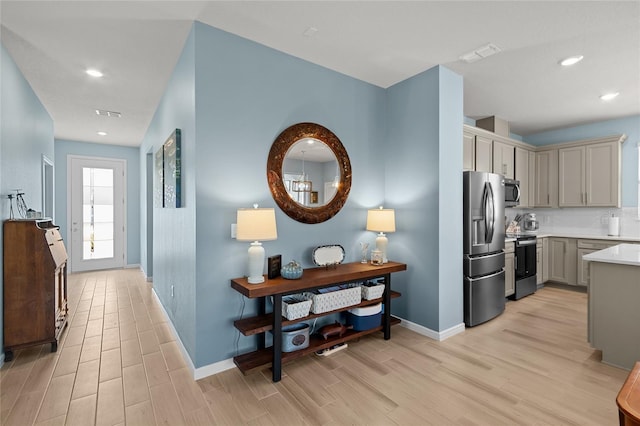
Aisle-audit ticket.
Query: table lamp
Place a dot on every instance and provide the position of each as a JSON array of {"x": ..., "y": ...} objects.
[
  {"x": 381, "y": 220},
  {"x": 256, "y": 225}
]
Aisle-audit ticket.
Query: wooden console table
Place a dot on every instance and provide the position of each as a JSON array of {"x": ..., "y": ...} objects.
[
  {"x": 628, "y": 399},
  {"x": 312, "y": 279}
]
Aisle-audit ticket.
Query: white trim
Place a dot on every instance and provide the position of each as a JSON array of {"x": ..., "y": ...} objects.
[
  {"x": 201, "y": 372},
  {"x": 46, "y": 161},
  {"x": 432, "y": 334},
  {"x": 132, "y": 266},
  {"x": 215, "y": 368},
  {"x": 123, "y": 163}
]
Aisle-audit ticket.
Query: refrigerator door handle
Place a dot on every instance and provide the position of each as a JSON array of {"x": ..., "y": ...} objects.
[
  {"x": 489, "y": 212},
  {"x": 495, "y": 274}
]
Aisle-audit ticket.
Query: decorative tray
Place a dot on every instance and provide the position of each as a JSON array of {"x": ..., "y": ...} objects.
[{"x": 328, "y": 255}]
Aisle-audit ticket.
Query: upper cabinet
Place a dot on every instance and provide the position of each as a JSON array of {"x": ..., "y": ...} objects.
[
  {"x": 477, "y": 152},
  {"x": 589, "y": 174},
  {"x": 546, "y": 179},
  {"x": 573, "y": 174},
  {"x": 522, "y": 174},
  {"x": 503, "y": 159},
  {"x": 468, "y": 151},
  {"x": 484, "y": 156}
]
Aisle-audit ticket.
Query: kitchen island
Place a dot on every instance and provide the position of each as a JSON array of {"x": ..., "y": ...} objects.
[{"x": 614, "y": 299}]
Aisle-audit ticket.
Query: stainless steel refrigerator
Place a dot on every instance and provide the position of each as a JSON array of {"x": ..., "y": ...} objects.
[{"x": 484, "y": 232}]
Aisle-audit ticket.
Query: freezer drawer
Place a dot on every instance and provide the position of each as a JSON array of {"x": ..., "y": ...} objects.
[
  {"x": 475, "y": 266},
  {"x": 483, "y": 298}
]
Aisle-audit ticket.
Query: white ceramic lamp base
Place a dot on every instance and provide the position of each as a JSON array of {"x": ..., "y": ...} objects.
[
  {"x": 256, "y": 263},
  {"x": 381, "y": 244}
]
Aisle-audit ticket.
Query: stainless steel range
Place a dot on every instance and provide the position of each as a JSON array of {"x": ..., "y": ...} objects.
[{"x": 525, "y": 265}]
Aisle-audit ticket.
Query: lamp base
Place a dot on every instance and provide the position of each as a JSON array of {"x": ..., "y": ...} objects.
[
  {"x": 256, "y": 263},
  {"x": 381, "y": 244}
]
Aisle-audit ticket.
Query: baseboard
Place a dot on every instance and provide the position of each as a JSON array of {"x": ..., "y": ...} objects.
[
  {"x": 183, "y": 350},
  {"x": 432, "y": 334},
  {"x": 132, "y": 266},
  {"x": 1, "y": 359},
  {"x": 147, "y": 278},
  {"x": 200, "y": 372},
  {"x": 215, "y": 368}
]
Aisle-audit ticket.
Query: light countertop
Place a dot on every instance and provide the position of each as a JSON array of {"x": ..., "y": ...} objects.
[
  {"x": 583, "y": 235},
  {"x": 624, "y": 254}
]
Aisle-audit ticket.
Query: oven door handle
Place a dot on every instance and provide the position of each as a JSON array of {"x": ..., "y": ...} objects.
[{"x": 525, "y": 243}]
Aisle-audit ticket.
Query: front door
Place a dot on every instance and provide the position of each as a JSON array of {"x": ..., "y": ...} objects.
[{"x": 97, "y": 206}]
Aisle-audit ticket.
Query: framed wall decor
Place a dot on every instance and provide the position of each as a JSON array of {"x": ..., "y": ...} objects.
[
  {"x": 158, "y": 181},
  {"x": 314, "y": 197},
  {"x": 172, "y": 170}
]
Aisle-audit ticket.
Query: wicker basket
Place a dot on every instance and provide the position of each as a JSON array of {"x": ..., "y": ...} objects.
[
  {"x": 295, "y": 306},
  {"x": 372, "y": 292},
  {"x": 332, "y": 300}
]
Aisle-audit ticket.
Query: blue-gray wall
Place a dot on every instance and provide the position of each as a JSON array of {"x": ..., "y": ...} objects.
[
  {"x": 232, "y": 97},
  {"x": 26, "y": 133},
  {"x": 63, "y": 149},
  {"x": 423, "y": 183},
  {"x": 629, "y": 126},
  {"x": 174, "y": 230}
]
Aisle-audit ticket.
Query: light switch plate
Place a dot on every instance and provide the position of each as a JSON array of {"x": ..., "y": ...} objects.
[{"x": 233, "y": 230}]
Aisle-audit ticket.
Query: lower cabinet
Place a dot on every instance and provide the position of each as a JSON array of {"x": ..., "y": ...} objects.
[
  {"x": 539, "y": 263},
  {"x": 509, "y": 269},
  {"x": 563, "y": 253},
  {"x": 589, "y": 246}
]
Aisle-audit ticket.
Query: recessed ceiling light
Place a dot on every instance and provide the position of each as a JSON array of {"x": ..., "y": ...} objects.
[
  {"x": 572, "y": 60},
  {"x": 102, "y": 133},
  {"x": 94, "y": 72},
  {"x": 609, "y": 96}
]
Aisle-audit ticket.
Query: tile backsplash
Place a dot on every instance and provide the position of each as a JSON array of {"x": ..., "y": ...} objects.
[{"x": 588, "y": 221}]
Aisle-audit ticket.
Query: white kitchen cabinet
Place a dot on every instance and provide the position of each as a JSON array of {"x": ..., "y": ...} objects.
[
  {"x": 571, "y": 176},
  {"x": 545, "y": 260},
  {"x": 522, "y": 174},
  {"x": 509, "y": 269},
  {"x": 539, "y": 261},
  {"x": 590, "y": 246},
  {"x": 484, "y": 154},
  {"x": 546, "y": 183},
  {"x": 589, "y": 175},
  {"x": 503, "y": 159},
  {"x": 563, "y": 253},
  {"x": 468, "y": 151},
  {"x": 603, "y": 175}
]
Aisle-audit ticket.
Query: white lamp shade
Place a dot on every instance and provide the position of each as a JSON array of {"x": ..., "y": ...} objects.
[
  {"x": 381, "y": 220},
  {"x": 256, "y": 225}
]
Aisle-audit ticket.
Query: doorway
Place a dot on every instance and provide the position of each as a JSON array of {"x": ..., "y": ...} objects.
[{"x": 97, "y": 203}]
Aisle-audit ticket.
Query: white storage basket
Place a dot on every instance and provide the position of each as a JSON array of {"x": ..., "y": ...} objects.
[
  {"x": 295, "y": 306},
  {"x": 332, "y": 300},
  {"x": 372, "y": 292}
]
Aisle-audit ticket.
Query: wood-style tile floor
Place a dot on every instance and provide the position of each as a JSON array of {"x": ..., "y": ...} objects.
[{"x": 118, "y": 363}]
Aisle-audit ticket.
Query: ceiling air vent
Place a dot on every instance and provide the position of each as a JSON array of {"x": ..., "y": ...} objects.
[
  {"x": 480, "y": 53},
  {"x": 106, "y": 113}
]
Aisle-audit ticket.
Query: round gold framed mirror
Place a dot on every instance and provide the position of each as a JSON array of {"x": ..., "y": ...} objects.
[{"x": 309, "y": 173}]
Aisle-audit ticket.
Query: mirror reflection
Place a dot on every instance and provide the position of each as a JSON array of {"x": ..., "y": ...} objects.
[
  {"x": 310, "y": 187},
  {"x": 310, "y": 173}
]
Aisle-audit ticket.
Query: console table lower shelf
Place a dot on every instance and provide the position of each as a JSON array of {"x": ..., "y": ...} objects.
[{"x": 262, "y": 358}]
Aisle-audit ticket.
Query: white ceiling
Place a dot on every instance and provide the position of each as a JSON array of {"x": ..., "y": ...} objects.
[{"x": 136, "y": 44}]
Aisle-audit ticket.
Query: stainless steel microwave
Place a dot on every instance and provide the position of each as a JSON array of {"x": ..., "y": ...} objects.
[{"x": 511, "y": 192}]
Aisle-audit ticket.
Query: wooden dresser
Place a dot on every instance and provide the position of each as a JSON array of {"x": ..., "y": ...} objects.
[{"x": 35, "y": 284}]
